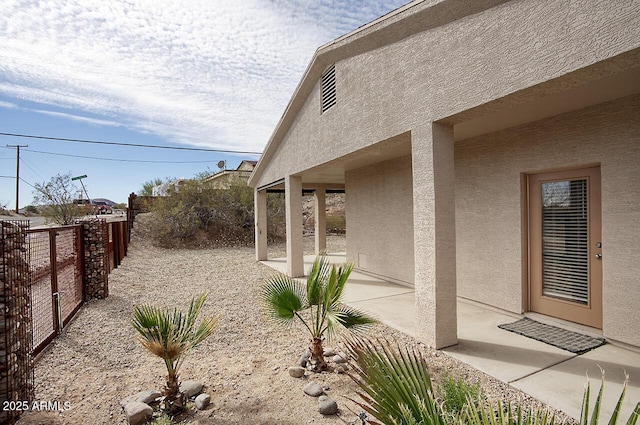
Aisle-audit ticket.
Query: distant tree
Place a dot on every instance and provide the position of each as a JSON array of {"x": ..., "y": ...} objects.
[
  {"x": 57, "y": 196},
  {"x": 120, "y": 206},
  {"x": 147, "y": 187}
]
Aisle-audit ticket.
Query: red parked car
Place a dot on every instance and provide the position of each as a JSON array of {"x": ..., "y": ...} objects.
[{"x": 102, "y": 207}]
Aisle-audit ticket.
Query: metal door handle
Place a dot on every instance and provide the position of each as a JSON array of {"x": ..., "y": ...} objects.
[{"x": 599, "y": 256}]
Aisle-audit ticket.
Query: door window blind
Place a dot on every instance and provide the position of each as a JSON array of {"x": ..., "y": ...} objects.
[{"x": 565, "y": 271}]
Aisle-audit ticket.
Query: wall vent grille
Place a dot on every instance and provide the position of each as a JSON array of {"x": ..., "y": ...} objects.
[{"x": 328, "y": 86}]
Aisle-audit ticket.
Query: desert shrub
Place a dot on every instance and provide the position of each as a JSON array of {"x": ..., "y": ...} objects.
[
  {"x": 200, "y": 215},
  {"x": 56, "y": 197},
  {"x": 31, "y": 209},
  {"x": 336, "y": 224},
  {"x": 455, "y": 394},
  {"x": 143, "y": 204},
  {"x": 276, "y": 220}
]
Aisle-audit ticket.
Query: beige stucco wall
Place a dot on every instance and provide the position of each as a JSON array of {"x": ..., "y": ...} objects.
[
  {"x": 449, "y": 69},
  {"x": 227, "y": 179},
  {"x": 379, "y": 207},
  {"x": 489, "y": 212}
]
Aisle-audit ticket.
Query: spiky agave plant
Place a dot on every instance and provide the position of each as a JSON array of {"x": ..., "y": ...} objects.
[
  {"x": 395, "y": 384},
  {"x": 318, "y": 306},
  {"x": 484, "y": 414},
  {"x": 595, "y": 416},
  {"x": 171, "y": 335},
  {"x": 396, "y": 390}
]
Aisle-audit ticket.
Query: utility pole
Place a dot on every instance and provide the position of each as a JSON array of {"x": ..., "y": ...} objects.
[{"x": 17, "y": 172}]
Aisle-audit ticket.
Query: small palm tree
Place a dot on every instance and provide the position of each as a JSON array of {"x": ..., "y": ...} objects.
[
  {"x": 286, "y": 300},
  {"x": 171, "y": 335}
]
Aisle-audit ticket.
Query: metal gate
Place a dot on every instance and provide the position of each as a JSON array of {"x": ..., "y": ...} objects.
[{"x": 55, "y": 259}]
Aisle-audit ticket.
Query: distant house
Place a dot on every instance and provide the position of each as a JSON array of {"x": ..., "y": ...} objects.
[
  {"x": 490, "y": 150},
  {"x": 227, "y": 178},
  {"x": 165, "y": 188}
]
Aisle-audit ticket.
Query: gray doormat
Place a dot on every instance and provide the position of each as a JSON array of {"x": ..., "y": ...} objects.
[{"x": 553, "y": 335}]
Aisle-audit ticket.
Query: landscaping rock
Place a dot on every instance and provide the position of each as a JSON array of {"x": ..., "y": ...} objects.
[
  {"x": 126, "y": 401},
  {"x": 340, "y": 358},
  {"x": 296, "y": 372},
  {"x": 313, "y": 389},
  {"x": 147, "y": 397},
  {"x": 303, "y": 361},
  {"x": 137, "y": 412},
  {"x": 341, "y": 368},
  {"x": 202, "y": 401},
  {"x": 329, "y": 352},
  {"x": 327, "y": 406},
  {"x": 190, "y": 388}
]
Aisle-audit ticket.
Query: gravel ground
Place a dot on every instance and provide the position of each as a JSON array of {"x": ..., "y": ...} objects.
[{"x": 97, "y": 361}]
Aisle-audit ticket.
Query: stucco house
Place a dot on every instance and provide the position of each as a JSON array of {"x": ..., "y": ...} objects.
[
  {"x": 226, "y": 178},
  {"x": 490, "y": 150}
]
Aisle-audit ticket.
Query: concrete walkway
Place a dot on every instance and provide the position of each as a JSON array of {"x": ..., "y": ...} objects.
[{"x": 554, "y": 376}]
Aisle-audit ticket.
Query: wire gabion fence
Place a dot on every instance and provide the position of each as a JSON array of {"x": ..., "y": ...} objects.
[
  {"x": 44, "y": 276},
  {"x": 16, "y": 361}
]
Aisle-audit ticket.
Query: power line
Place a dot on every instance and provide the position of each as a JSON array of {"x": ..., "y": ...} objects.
[
  {"x": 24, "y": 161},
  {"x": 24, "y": 181},
  {"x": 119, "y": 160},
  {"x": 63, "y": 139}
]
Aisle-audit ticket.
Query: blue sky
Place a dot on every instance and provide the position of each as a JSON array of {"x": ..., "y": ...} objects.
[{"x": 212, "y": 74}]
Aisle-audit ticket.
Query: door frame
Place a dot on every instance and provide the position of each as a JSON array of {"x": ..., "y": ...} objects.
[{"x": 590, "y": 314}]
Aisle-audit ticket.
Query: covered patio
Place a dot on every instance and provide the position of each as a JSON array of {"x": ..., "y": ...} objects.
[
  {"x": 448, "y": 149},
  {"x": 552, "y": 375}
]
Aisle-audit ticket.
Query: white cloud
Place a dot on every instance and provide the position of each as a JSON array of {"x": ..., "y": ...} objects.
[
  {"x": 94, "y": 121},
  {"x": 8, "y": 105},
  {"x": 211, "y": 73}
]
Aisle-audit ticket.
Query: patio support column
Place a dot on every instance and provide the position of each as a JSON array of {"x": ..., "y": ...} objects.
[
  {"x": 434, "y": 234},
  {"x": 260, "y": 220},
  {"x": 320, "y": 223},
  {"x": 293, "y": 204}
]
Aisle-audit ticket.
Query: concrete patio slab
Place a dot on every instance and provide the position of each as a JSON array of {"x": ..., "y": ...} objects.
[
  {"x": 395, "y": 310},
  {"x": 562, "y": 384},
  {"x": 554, "y": 376},
  {"x": 502, "y": 354}
]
